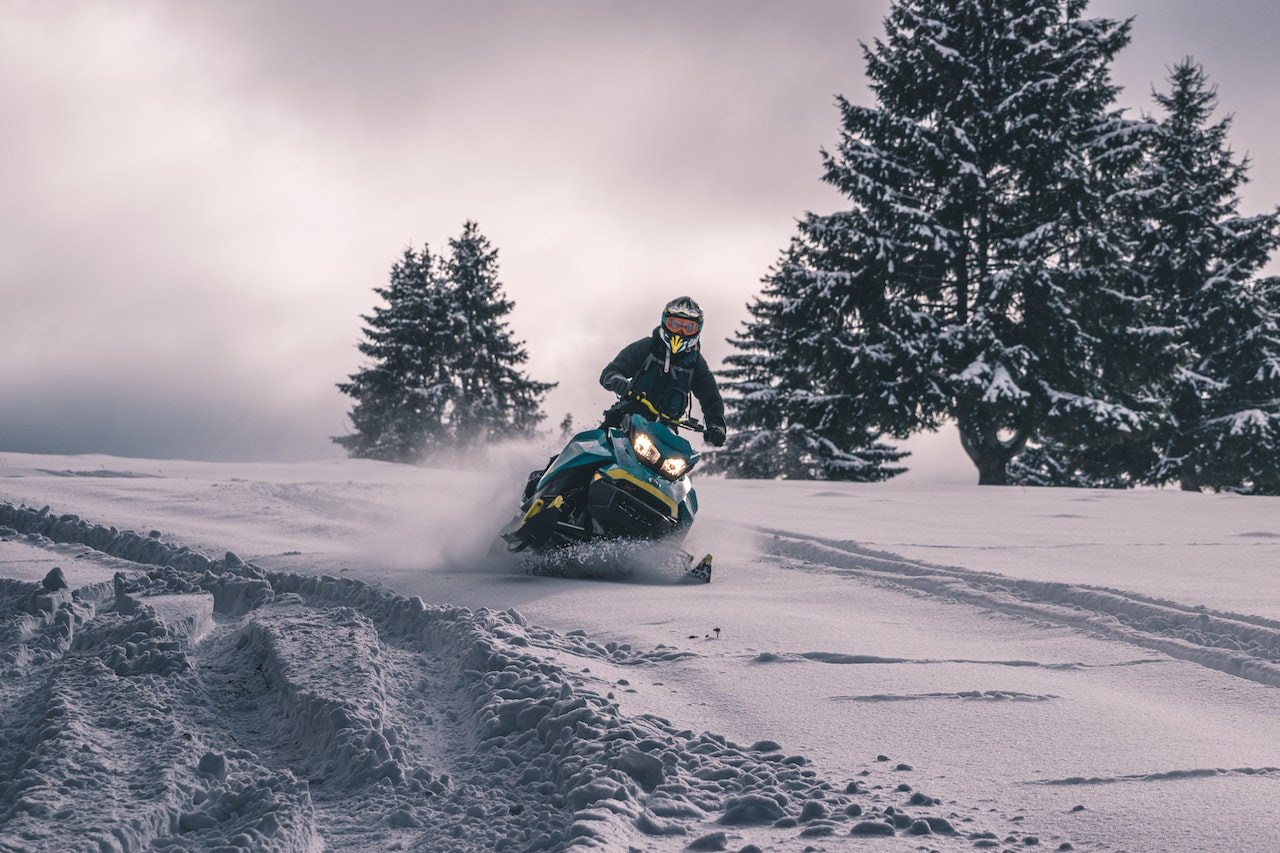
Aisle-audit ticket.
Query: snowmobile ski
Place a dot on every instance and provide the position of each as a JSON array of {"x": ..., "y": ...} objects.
[{"x": 701, "y": 573}]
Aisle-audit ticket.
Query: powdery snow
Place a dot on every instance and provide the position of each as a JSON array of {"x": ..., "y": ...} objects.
[{"x": 327, "y": 656}]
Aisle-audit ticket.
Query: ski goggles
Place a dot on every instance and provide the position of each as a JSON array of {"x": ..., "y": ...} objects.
[{"x": 681, "y": 326}]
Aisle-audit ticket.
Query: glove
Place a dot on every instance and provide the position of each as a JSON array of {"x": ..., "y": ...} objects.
[
  {"x": 714, "y": 435},
  {"x": 618, "y": 385}
]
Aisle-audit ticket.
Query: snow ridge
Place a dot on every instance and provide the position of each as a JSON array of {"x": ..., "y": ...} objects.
[
  {"x": 209, "y": 704},
  {"x": 1245, "y": 646}
]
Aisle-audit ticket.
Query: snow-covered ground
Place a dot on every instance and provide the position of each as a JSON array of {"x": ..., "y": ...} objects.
[{"x": 324, "y": 656}]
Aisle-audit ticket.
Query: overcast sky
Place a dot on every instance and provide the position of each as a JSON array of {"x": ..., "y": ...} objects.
[{"x": 197, "y": 199}]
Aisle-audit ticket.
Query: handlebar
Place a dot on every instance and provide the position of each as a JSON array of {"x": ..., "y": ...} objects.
[{"x": 684, "y": 423}]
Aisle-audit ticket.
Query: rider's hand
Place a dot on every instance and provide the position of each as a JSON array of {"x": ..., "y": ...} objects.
[
  {"x": 619, "y": 385},
  {"x": 714, "y": 436}
]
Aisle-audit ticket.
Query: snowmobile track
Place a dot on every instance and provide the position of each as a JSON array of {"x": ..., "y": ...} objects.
[{"x": 1244, "y": 646}]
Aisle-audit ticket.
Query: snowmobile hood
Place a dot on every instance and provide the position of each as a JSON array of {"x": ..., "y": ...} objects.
[{"x": 669, "y": 443}]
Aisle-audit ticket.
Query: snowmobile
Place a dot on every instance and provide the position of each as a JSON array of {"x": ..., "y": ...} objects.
[{"x": 618, "y": 486}]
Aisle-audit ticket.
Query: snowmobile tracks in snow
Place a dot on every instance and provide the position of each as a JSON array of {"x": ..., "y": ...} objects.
[
  {"x": 1245, "y": 646},
  {"x": 198, "y": 703}
]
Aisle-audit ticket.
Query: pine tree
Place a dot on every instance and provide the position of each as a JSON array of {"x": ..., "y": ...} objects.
[
  {"x": 401, "y": 397},
  {"x": 1106, "y": 466},
  {"x": 788, "y": 417},
  {"x": 976, "y": 275},
  {"x": 1240, "y": 440},
  {"x": 493, "y": 398},
  {"x": 1200, "y": 257},
  {"x": 442, "y": 372}
]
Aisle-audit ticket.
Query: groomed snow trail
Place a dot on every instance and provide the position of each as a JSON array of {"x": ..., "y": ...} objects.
[
  {"x": 198, "y": 703},
  {"x": 1240, "y": 645}
]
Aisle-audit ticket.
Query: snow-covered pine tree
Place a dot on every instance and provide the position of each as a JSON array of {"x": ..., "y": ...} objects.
[
  {"x": 1200, "y": 258},
  {"x": 975, "y": 270},
  {"x": 1106, "y": 466},
  {"x": 402, "y": 397},
  {"x": 755, "y": 383},
  {"x": 494, "y": 398},
  {"x": 1240, "y": 448},
  {"x": 442, "y": 371},
  {"x": 1254, "y": 440},
  {"x": 789, "y": 418}
]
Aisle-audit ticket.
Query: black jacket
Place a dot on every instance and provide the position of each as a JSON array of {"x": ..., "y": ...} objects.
[{"x": 643, "y": 366}]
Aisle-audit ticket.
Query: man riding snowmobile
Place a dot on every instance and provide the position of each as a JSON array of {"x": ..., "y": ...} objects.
[
  {"x": 664, "y": 369},
  {"x": 628, "y": 479}
]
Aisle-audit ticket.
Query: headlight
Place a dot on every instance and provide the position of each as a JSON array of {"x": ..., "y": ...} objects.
[
  {"x": 673, "y": 467},
  {"x": 644, "y": 447}
]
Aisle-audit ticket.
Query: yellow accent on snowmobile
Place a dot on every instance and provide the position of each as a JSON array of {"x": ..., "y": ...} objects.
[
  {"x": 619, "y": 474},
  {"x": 538, "y": 506}
]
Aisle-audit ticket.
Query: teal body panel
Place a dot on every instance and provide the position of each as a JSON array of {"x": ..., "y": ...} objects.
[
  {"x": 611, "y": 449},
  {"x": 588, "y": 448}
]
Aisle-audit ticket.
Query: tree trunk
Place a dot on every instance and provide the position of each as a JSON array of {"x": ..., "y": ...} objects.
[{"x": 990, "y": 454}]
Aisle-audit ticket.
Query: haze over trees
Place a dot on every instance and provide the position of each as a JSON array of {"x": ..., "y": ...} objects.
[
  {"x": 1020, "y": 258},
  {"x": 443, "y": 371}
]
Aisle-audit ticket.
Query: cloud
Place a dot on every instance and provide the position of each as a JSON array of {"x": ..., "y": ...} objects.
[{"x": 200, "y": 198}]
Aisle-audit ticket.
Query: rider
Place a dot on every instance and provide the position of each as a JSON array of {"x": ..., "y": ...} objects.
[{"x": 664, "y": 368}]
